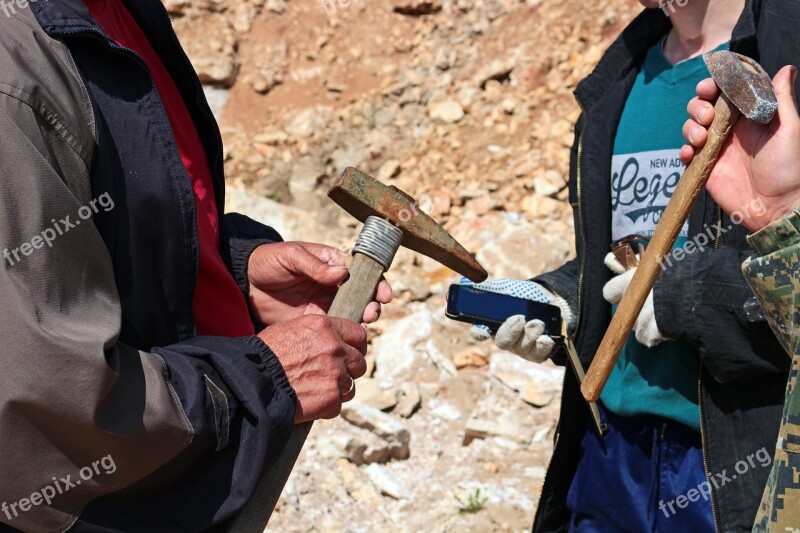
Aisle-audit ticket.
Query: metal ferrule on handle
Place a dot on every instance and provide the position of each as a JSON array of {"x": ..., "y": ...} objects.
[{"x": 379, "y": 240}]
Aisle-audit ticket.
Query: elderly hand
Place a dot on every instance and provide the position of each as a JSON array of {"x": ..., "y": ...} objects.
[
  {"x": 292, "y": 279},
  {"x": 321, "y": 356},
  {"x": 759, "y": 165}
]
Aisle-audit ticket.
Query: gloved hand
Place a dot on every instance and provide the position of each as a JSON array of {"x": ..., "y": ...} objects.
[
  {"x": 646, "y": 329},
  {"x": 524, "y": 338}
]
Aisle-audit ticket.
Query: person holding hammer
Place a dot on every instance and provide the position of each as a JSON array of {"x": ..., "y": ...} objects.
[
  {"x": 698, "y": 387},
  {"x": 762, "y": 162},
  {"x": 157, "y": 353}
]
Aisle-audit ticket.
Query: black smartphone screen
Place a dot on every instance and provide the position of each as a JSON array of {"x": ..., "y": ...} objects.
[{"x": 467, "y": 304}]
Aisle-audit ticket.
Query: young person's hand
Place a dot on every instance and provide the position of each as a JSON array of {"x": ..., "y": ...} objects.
[
  {"x": 292, "y": 279},
  {"x": 321, "y": 356},
  {"x": 645, "y": 328},
  {"x": 518, "y": 335},
  {"x": 760, "y": 163}
]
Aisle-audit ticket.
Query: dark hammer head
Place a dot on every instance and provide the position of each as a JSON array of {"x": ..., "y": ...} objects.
[
  {"x": 745, "y": 84},
  {"x": 363, "y": 196}
]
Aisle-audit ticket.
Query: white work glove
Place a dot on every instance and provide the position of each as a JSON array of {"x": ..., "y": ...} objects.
[
  {"x": 646, "y": 329},
  {"x": 516, "y": 335}
]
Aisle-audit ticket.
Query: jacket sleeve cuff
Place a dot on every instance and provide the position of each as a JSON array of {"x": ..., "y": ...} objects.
[
  {"x": 671, "y": 305},
  {"x": 782, "y": 233},
  {"x": 244, "y": 235},
  {"x": 272, "y": 366},
  {"x": 241, "y": 250},
  {"x": 561, "y": 288}
]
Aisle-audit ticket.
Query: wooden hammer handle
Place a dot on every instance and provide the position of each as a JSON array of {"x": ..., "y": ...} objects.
[
  {"x": 351, "y": 300},
  {"x": 672, "y": 220},
  {"x": 359, "y": 289}
]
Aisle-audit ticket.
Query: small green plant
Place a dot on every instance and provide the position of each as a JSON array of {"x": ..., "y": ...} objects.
[{"x": 473, "y": 504}]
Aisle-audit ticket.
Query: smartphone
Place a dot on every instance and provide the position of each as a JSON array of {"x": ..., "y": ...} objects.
[{"x": 467, "y": 304}]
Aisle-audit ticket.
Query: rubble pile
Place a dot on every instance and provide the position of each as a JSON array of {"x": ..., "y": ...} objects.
[{"x": 466, "y": 105}]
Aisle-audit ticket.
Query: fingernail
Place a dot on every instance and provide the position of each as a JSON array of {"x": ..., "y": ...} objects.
[
  {"x": 694, "y": 134},
  {"x": 794, "y": 74},
  {"x": 701, "y": 113},
  {"x": 335, "y": 269}
]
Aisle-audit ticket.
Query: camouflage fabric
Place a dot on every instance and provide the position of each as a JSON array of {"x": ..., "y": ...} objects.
[{"x": 774, "y": 275}]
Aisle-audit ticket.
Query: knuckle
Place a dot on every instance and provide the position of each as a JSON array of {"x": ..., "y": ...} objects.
[
  {"x": 318, "y": 322},
  {"x": 330, "y": 347},
  {"x": 293, "y": 248}
]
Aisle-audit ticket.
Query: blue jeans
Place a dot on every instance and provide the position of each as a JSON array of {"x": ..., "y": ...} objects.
[{"x": 635, "y": 478}]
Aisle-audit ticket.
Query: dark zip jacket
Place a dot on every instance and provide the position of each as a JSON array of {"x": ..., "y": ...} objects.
[
  {"x": 100, "y": 355},
  {"x": 742, "y": 368}
]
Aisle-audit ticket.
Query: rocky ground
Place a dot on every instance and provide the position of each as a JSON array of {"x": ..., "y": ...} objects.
[{"x": 466, "y": 105}]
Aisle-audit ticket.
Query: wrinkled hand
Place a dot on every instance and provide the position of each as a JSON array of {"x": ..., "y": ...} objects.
[
  {"x": 517, "y": 335},
  {"x": 292, "y": 279},
  {"x": 321, "y": 356},
  {"x": 759, "y": 165},
  {"x": 646, "y": 329}
]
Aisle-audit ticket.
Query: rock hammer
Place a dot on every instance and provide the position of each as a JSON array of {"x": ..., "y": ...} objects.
[{"x": 391, "y": 218}]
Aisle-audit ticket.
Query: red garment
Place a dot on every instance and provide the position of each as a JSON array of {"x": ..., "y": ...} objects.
[{"x": 219, "y": 306}]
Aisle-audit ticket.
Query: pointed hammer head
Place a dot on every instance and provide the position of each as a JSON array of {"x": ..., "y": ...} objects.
[
  {"x": 363, "y": 196},
  {"x": 745, "y": 83}
]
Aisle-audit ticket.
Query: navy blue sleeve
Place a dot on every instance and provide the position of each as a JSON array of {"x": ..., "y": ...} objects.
[
  {"x": 241, "y": 408},
  {"x": 241, "y": 235},
  {"x": 701, "y": 299},
  {"x": 563, "y": 281}
]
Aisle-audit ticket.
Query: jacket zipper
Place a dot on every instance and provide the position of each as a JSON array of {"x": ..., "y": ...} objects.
[
  {"x": 219, "y": 187},
  {"x": 703, "y": 443},
  {"x": 703, "y": 447},
  {"x": 581, "y": 222},
  {"x": 136, "y": 57},
  {"x": 718, "y": 238},
  {"x": 112, "y": 44},
  {"x": 219, "y": 184},
  {"x": 582, "y": 262}
]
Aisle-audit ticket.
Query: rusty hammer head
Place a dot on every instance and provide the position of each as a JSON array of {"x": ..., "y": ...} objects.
[
  {"x": 363, "y": 196},
  {"x": 745, "y": 84}
]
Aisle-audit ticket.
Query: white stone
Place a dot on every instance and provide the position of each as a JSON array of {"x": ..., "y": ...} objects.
[
  {"x": 396, "y": 349},
  {"x": 449, "y": 111},
  {"x": 385, "y": 426},
  {"x": 292, "y": 223},
  {"x": 370, "y": 392},
  {"x": 387, "y": 482},
  {"x": 308, "y": 121}
]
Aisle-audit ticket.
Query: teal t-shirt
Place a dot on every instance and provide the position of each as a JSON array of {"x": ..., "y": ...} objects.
[{"x": 645, "y": 169}]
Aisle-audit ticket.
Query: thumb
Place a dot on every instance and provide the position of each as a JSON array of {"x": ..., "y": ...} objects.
[
  {"x": 787, "y": 101},
  {"x": 304, "y": 263}
]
